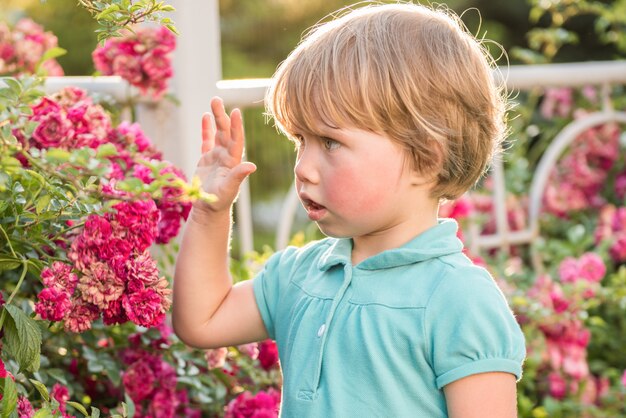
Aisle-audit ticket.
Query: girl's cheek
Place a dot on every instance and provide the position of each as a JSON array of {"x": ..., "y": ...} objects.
[{"x": 352, "y": 192}]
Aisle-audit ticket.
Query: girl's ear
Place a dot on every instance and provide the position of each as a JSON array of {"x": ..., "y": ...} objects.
[{"x": 426, "y": 170}]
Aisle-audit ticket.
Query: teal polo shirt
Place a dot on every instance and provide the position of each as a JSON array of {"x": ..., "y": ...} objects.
[{"x": 382, "y": 338}]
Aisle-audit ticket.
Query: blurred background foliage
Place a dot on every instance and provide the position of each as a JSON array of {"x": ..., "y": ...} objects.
[{"x": 257, "y": 35}]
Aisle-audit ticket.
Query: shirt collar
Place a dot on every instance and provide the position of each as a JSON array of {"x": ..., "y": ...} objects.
[{"x": 437, "y": 241}]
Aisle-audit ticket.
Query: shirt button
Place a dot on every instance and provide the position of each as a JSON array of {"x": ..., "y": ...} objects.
[{"x": 320, "y": 331}]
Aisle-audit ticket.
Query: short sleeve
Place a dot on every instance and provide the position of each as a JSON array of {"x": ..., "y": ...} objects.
[
  {"x": 267, "y": 289},
  {"x": 470, "y": 328}
]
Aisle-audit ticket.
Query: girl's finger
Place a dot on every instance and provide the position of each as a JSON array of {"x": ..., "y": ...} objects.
[
  {"x": 222, "y": 122},
  {"x": 208, "y": 132},
  {"x": 236, "y": 134}
]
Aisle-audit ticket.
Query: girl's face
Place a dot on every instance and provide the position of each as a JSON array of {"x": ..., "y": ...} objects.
[{"x": 356, "y": 183}]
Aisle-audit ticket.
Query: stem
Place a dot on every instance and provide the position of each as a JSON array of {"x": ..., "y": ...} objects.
[
  {"x": 19, "y": 282},
  {"x": 8, "y": 241},
  {"x": 17, "y": 287}
]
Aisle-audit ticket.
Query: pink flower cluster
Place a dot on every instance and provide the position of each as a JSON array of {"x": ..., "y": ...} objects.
[
  {"x": 70, "y": 119},
  {"x": 264, "y": 404},
  {"x": 216, "y": 357},
  {"x": 61, "y": 394},
  {"x": 24, "y": 408},
  {"x": 578, "y": 178},
  {"x": 268, "y": 354},
  {"x": 565, "y": 335},
  {"x": 612, "y": 229},
  {"x": 150, "y": 381},
  {"x": 588, "y": 269},
  {"x": 117, "y": 278},
  {"x": 557, "y": 102},
  {"x": 4, "y": 373},
  {"x": 142, "y": 58},
  {"x": 22, "y": 47},
  {"x": 171, "y": 209}
]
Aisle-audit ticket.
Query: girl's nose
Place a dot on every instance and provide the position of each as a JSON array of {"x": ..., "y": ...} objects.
[{"x": 306, "y": 166}]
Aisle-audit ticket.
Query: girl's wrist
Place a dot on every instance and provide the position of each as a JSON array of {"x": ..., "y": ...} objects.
[{"x": 203, "y": 215}]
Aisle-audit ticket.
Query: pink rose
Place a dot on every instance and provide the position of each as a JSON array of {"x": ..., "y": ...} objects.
[
  {"x": 144, "y": 308},
  {"x": 156, "y": 64},
  {"x": 261, "y": 405},
  {"x": 268, "y": 354},
  {"x": 128, "y": 67},
  {"x": 618, "y": 249},
  {"x": 54, "y": 130},
  {"x": 53, "y": 304},
  {"x": 138, "y": 380},
  {"x": 216, "y": 357},
  {"x": 80, "y": 316},
  {"x": 568, "y": 270},
  {"x": 591, "y": 267},
  {"x": 163, "y": 404},
  {"x": 558, "y": 386},
  {"x": 24, "y": 408},
  {"x": 62, "y": 395},
  {"x": 60, "y": 276},
  {"x": 99, "y": 285},
  {"x": 3, "y": 371},
  {"x": 114, "y": 313}
]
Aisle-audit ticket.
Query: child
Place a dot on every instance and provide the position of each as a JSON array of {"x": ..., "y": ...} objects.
[{"x": 393, "y": 109}]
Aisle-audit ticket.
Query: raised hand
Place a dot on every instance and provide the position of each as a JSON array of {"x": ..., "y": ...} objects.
[{"x": 220, "y": 168}]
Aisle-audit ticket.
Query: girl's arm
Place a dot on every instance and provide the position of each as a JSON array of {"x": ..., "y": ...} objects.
[
  {"x": 484, "y": 395},
  {"x": 208, "y": 311}
]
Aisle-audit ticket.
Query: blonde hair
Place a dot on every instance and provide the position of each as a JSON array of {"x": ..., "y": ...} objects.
[{"x": 406, "y": 71}]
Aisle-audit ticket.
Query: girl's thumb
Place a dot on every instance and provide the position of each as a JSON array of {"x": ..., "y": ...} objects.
[{"x": 240, "y": 172}]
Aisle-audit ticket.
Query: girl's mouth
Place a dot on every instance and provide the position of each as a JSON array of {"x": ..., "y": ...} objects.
[{"x": 314, "y": 210}]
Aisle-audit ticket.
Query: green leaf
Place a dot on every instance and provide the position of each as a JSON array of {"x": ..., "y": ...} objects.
[
  {"x": 173, "y": 29},
  {"x": 106, "y": 150},
  {"x": 53, "y": 53},
  {"x": 59, "y": 375},
  {"x": 42, "y": 204},
  {"x": 129, "y": 406},
  {"x": 9, "y": 264},
  {"x": 41, "y": 388},
  {"x": 95, "y": 412},
  {"x": 56, "y": 155},
  {"x": 78, "y": 407},
  {"x": 14, "y": 85},
  {"x": 44, "y": 412},
  {"x": 129, "y": 185},
  {"x": 9, "y": 396},
  {"x": 106, "y": 12},
  {"x": 23, "y": 339},
  {"x": 136, "y": 7}
]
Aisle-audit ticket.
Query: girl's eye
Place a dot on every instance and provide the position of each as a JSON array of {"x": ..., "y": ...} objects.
[{"x": 330, "y": 144}]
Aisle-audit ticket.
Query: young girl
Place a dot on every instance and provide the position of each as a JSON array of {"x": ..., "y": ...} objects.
[{"x": 393, "y": 109}]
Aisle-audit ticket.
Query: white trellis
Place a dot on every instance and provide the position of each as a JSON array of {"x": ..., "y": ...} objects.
[{"x": 197, "y": 64}]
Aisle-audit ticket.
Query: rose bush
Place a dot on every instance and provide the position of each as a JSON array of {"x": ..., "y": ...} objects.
[{"x": 84, "y": 201}]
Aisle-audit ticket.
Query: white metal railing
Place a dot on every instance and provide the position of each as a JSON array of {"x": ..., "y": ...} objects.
[{"x": 251, "y": 92}]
